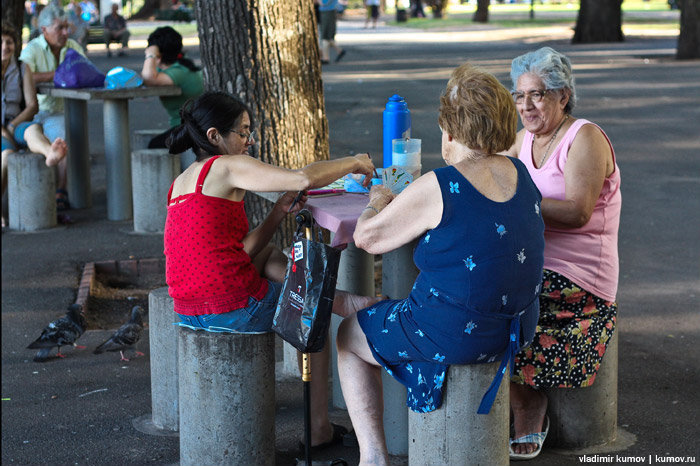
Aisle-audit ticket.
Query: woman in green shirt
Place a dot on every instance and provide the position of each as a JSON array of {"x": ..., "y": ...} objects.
[{"x": 165, "y": 65}]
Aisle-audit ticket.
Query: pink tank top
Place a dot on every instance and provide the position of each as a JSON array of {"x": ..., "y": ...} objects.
[
  {"x": 206, "y": 268},
  {"x": 587, "y": 255}
]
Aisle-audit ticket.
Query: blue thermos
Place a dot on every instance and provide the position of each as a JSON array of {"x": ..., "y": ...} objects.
[{"x": 397, "y": 124}]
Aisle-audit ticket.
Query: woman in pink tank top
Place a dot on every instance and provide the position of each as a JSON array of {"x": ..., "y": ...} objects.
[
  {"x": 224, "y": 277},
  {"x": 572, "y": 162}
]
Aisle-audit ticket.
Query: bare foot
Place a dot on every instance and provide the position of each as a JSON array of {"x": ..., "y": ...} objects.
[
  {"x": 58, "y": 151},
  {"x": 529, "y": 409},
  {"x": 346, "y": 304}
]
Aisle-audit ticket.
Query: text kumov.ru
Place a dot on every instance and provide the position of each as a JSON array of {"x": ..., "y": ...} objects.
[{"x": 651, "y": 459}]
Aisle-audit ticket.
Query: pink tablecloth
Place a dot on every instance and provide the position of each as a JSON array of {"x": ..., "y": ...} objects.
[{"x": 338, "y": 214}]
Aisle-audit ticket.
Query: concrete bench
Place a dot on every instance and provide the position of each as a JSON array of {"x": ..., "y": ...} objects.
[
  {"x": 162, "y": 335},
  {"x": 586, "y": 417},
  {"x": 227, "y": 398},
  {"x": 31, "y": 192},
  {"x": 152, "y": 173},
  {"x": 141, "y": 137},
  {"x": 455, "y": 433}
]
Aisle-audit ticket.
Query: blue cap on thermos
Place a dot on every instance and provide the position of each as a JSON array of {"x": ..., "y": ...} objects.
[{"x": 396, "y": 125}]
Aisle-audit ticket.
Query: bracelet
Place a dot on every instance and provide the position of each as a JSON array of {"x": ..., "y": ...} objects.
[
  {"x": 371, "y": 207},
  {"x": 150, "y": 56},
  {"x": 11, "y": 127}
]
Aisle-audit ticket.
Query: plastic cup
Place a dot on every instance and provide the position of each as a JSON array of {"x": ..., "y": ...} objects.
[{"x": 406, "y": 153}]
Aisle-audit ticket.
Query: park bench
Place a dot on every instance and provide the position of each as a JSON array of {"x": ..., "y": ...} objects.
[{"x": 96, "y": 34}]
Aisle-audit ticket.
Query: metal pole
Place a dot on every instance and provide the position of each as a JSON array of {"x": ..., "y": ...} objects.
[{"x": 306, "y": 378}]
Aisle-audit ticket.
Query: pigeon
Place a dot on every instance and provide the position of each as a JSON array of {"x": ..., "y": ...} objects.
[
  {"x": 60, "y": 332},
  {"x": 126, "y": 336}
]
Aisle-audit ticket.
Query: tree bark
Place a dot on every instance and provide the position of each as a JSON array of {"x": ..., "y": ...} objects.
[
  {"x": 13, "y": 14},
  {"x": 689, "y": 37},
  {"x": 481, "y": 15},
  {"x": 149, "y": 8},
  {"x": 266, "y": 53},
  {"x": 599, "y": 21}
]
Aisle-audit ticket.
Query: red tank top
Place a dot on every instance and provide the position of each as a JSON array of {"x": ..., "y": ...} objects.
[{"x": 206, "y": 268}]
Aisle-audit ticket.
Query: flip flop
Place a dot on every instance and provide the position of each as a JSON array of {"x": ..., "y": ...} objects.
[
  {"x": 338, "y": 433},
  {"x": 536, "y": 438}
]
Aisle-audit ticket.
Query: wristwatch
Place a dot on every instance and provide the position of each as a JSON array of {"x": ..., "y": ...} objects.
[{"x": 11, "y": 127}]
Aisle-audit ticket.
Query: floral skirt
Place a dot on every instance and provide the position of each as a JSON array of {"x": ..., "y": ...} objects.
[{"x": 572, "y": 334}]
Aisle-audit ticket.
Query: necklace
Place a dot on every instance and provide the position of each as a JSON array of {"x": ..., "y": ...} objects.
[{"x": 549, "y": 146}]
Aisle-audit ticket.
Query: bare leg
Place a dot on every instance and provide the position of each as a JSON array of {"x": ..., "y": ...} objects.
[
  {"x": 325, "y": 50},
  {"x": 346, "y": 304},
  {"x": 360, "y": 378},
  {"x": 529, "y": 408},
  {"x": 39, "y": 143},
  {"x": 5, "y": 154},
  {"x": 271, "y": 263}
]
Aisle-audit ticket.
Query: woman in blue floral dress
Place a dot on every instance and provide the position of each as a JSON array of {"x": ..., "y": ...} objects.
[{"x": 480, "y": 256}]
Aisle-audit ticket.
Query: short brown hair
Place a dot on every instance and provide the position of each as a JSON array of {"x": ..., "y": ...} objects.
[
  {"x": 9, "y": 30},
  {"x": 477, "y": 111}
]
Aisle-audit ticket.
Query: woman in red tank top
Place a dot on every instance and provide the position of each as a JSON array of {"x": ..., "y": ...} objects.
[{"x": 221, "y": 275}]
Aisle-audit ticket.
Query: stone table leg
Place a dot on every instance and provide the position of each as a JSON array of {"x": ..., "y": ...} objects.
[
  {"x": 356, "y": 276},
  {"x": 78, "y": 161},
  {"x": 118, "y": 159}
]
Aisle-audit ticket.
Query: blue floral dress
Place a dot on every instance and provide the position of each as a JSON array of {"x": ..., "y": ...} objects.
[{"x": 476, "y": 297}]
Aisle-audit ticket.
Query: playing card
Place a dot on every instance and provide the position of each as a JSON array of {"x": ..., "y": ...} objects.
[{"x": 396, "y": 179}]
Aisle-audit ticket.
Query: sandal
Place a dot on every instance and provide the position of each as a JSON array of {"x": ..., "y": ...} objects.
[
  {"x": 338, "y": 433},
  {"x": 536, "y": 438},
  {"x": 62, "y": 200}
]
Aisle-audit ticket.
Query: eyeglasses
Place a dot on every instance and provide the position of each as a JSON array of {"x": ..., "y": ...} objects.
[
  {"x": 248, "y": 137},
  {"x": 535, "y": 96}
]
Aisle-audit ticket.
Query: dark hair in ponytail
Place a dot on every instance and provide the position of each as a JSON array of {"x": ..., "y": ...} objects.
[
  {"x": 169, "y": 42},
  {"x": 212, "y": 109}
]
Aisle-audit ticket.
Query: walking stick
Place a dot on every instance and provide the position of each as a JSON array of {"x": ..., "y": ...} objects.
[{"x": 304, "y": 218}]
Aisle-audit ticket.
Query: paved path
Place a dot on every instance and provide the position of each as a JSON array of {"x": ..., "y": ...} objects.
[{"x": 648, "y": 103}]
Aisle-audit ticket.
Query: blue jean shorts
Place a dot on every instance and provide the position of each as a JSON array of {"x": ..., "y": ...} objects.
[
  {"x": 53, "y": 123},
  {"x": 256, "y": 317},
  {"x": 19, "y": 136}
]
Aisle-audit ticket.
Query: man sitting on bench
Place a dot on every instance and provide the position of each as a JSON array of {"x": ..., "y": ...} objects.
[{"x": 116, "y": 31}]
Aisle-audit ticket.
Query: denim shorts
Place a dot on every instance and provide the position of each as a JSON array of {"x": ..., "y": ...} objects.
[
  {"x": 19, "y": 136},
  {"x": 53, "y": 123},
  {"x": 256, "y": 317}
]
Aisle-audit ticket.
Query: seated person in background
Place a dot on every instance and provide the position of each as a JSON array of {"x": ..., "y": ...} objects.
[
  {"x": 572, "y": 162},
  {"x": 222, "y": 275},
  {"x": 116, "y": 31},
  {"x": 165, "y": 65},
  {"x": 79, "y": 28},
  {"x": 19, "y": 105},
  {"x": 43, "y": 55},
  {"x": 480, "y": 254}
]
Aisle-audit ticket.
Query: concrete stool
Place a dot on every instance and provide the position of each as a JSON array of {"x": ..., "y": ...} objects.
[
  {"x": 31, "y": 192},
  {"x": 227, "y": 398},
  {"x": 163, "y": 338},
  {"x": 455, "y": 434},
  {"x": 141, "y": 137},
  {"x": 584, "y": 417},
  {"x": 152, "y": 173}
]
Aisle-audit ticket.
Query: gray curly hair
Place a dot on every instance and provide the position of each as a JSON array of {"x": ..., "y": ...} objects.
[
  {"x": 50, "y": 14},
  {"x": 552, "y": 67}
]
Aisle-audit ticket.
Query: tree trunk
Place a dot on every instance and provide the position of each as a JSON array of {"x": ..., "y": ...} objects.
[
  {"x": 266, "y": 53},
  {"x": 13, "y": 14},
  {"x": 689, "y": 38},
  {"x": 149, "y": 9},
  {"x": 599, "y": 21},
  {"x": 481, "y": 15}
]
